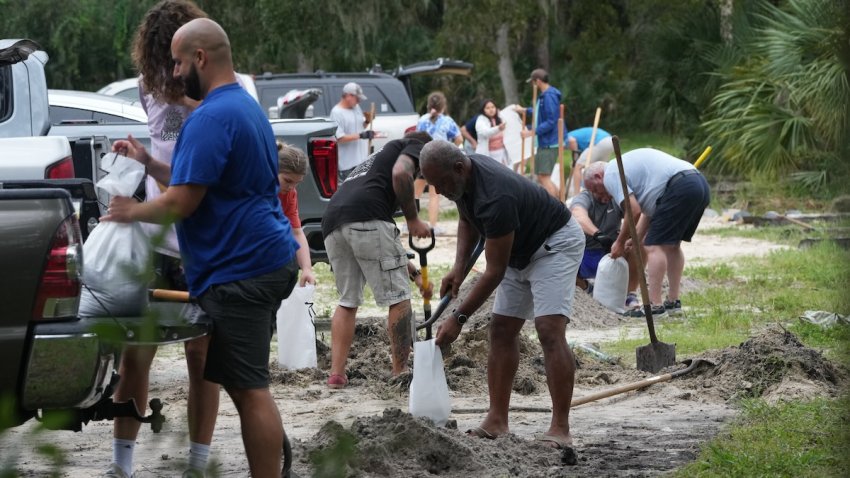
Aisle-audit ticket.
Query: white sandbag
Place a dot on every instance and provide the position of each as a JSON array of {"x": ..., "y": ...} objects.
[
  {"x": 429, "y": 391},
  {"x": 115, "y": 255},
  {"x": 512, "y": 135},
  {"x": 296, "y": 333},
  {"x": 612, "y": 283}
]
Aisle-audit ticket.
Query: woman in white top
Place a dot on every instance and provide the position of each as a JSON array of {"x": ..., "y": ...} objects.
[{"x": 491, "y": 133}]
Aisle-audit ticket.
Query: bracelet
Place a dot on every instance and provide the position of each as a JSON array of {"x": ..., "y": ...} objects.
[{"x": 416, "y": 273}]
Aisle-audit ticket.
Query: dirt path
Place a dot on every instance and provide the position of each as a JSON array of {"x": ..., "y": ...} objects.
[{"x": 636, "y": 434}]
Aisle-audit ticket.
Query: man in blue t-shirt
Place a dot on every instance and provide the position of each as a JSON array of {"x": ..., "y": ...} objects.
[
  {"x": 237, "y": 247},
  {"x": 578, "y": 141}
]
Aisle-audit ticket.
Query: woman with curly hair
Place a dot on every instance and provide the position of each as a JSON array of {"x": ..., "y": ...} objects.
[{"x": 163, "y": 98}]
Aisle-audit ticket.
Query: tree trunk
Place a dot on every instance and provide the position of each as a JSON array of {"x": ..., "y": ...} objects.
[
  {"x": 542, "y": 36},
  {"x": 305, "y": 63},
  {"x": 727, "y": 7},
  {"x": 506, "y": 66}
]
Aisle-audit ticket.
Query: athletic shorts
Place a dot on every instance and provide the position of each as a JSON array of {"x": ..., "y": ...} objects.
[
  {"x": 243, "y": 313},
  {"x": 368, "y": 252},
  {"x": 545, "y": 159},
  {"x": 590, "y": 263},
  {"x": 546, "y": 286},
  {"x": 679, "y": 210}
]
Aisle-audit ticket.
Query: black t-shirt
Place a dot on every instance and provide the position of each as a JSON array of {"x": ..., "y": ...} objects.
[
  {"x": 470, "y": 127},
  {"x": 500, "y": 201},
  {"x": 606, "y": 217},
  {"x": 367, "y": 194}
]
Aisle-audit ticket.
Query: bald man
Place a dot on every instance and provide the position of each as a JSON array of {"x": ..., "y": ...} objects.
[
  {"x": 237, "y": 246},
  {"x": 533, "y": 248}
]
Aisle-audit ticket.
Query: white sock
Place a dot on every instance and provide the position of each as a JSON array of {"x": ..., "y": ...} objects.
[
  {"x": 122, "y": 454},
  {"x": 198, "y": 455}
]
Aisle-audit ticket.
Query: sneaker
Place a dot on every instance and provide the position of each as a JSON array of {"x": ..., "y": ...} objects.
[
  {"x": 193, "y": 473},
  {"x": 673, "y": 306},
  {"x": 337, "y": 381},
  {"x": 656, "y": 311},
  {"x": 115, "y": 471},
  {"x": 632, "y": 301}
]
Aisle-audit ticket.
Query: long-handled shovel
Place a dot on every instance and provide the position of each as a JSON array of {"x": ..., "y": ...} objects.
[
  {"x": 444, "y": 301},
  {"x": 423, "y": 267},
  {"x": 657, "y": 355}
]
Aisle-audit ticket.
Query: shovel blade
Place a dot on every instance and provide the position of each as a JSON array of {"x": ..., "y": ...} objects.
[{"x": 655, "y": 356}]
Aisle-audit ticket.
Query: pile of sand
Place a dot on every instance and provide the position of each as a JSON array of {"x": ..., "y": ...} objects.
[
  {"x": 773, "y": 365},
  {"x": 397, "y": 444}
]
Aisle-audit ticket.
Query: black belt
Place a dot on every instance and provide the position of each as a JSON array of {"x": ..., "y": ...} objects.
[{"x": 679, "y": 175}]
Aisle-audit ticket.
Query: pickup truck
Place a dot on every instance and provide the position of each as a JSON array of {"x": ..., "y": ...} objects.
[
  {"x": 33, "y": 148},
  {"x": 58, "y": 367}
]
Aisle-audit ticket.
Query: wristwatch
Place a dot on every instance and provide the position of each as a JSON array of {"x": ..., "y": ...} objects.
[
  {"x": 416, "y": 273},
  {"x": 461, "y": 318}
]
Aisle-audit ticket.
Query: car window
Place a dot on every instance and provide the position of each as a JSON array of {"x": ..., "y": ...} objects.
[
  {"x": 131, "y": 94},
  {"x": 382, "y": 95},
  {"x": 270, "y": 94},
  {"x": 108, "y": 118},
  {"x": 5, "y": 93},
  {"x": 59, "y": 114}
]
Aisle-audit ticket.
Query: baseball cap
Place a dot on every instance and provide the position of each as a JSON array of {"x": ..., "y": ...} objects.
[
  {"x": 538, "y": 74},
  {"x": 353, "y": 88}
]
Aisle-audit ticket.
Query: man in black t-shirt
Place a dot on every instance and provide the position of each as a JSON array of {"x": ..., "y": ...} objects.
[
  {"x": 364, "y": 247},
  {"x": 533, "y": 249}
]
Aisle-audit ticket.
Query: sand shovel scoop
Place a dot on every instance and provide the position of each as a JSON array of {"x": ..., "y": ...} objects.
[{"x": 657, "y": 355}]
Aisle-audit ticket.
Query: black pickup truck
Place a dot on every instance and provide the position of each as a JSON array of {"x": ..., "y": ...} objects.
[{"x": 58, "y": 367}]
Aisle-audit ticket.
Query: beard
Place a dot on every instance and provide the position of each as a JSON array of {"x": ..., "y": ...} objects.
[{"x": 192, "y": 83}]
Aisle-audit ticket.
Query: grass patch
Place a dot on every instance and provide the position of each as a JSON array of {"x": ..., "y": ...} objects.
[
  {"x": 672, "y": 145},
  {"x": 781, "y": 234},
  {"x": 788, "y": 439},
  {"x": 742, "y": 297}
]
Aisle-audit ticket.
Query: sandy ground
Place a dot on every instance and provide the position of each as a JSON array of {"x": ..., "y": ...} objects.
[{"x": 640, "y": 433}]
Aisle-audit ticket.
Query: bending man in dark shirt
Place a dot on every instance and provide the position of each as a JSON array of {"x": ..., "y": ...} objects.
[{"x": 533, "y": 249}]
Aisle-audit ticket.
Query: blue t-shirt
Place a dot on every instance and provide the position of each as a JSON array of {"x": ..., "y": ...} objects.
[
  {"x": 582, "y": 136},
  {"x": 238, "y": 230},
  {"x": 470, "y": 127},
  {"x": 444, "y": 128}
]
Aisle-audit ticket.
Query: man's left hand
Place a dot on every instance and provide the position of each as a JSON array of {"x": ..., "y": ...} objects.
[
  {"x": 120, "y": 209},
  {"x": 448, "y": 331},
  {"x": 418, "y": 228},
  {"x": 617, "y": 249}
]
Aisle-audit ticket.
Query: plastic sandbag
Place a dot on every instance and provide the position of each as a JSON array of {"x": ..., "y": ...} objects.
[
  {"x": 429, "y": 392},
  {"x": 296, "y": 334},
  {"x": 116, "y": 255},
  {"x": 612, "y": 283}
]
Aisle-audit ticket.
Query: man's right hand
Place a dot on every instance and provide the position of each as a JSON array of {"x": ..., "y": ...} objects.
[
  {"x": 419, "y": 228},
  {"x": 448, "y": 331},
  {"x": 132, "y": 148},
  {"x": 617, "y": 249}
]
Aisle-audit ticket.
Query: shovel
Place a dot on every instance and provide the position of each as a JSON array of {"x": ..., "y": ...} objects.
[
  {"x": 444, "y": 301},
  {"x": 657, "y": 355},
  {"x": 423, "y": 267}
]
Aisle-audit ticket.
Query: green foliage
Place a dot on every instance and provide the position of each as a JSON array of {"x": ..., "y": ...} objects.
[
  {"x": 787, "y": 439},
  {"x": 784, "y": 104}
]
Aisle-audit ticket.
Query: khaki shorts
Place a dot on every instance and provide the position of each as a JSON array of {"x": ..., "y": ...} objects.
[
  {"x": 368, "y": 252},
  {"x": 602, "y": 151},
  {"x": 547, "y": 285}
]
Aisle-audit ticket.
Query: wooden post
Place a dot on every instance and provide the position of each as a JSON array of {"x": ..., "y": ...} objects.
[
  {"x": 371, "y": 122},
  {"x": 522, "y": 146},
  {"x": 533, "y": 119},
  {"x": 562, "y": 193}
]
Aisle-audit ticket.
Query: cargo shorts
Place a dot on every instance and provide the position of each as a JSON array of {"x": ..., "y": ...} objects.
[{"x": 368, "y": 252}]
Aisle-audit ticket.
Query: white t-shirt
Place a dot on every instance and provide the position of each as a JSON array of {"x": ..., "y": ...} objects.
[
  {"x": 349, "y": 121},
  {"x": 647, "y": 172}
]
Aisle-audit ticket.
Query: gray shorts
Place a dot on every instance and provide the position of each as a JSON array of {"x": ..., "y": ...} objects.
[
  {"x": 368, "y": 252},
  {"x": 547, "y": 285},
  {"x": 545, "y": 159}
]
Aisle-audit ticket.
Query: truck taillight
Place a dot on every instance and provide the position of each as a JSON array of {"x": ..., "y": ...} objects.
[
  {"x": 410, "y": 129},
  {"x": 59, "y": 290},
  {"x": 62, "y": 169},
  {"x": 323, "y": 162}
]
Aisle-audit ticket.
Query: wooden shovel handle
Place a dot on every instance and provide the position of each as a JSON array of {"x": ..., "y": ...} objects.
[
  {"x": 630, "y": 219},
  {"x": 170, "y": 295}
]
